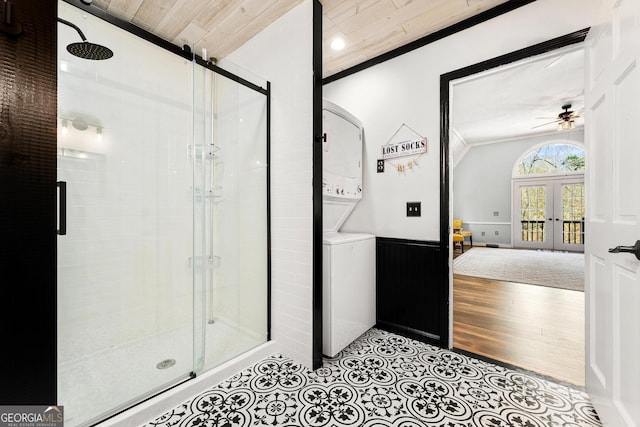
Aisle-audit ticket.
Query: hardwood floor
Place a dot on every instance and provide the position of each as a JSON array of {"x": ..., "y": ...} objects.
[{"x": 537, "y": 328}]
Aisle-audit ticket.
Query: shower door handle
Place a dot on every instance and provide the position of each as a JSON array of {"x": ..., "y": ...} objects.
[{"x": 62, "y": 207}]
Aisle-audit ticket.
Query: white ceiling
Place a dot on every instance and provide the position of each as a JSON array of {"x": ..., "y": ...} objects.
[{"x": 513, "y": 101}]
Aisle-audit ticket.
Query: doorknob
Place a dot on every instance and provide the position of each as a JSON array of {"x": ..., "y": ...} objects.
[{"x": 635, "y": 249}]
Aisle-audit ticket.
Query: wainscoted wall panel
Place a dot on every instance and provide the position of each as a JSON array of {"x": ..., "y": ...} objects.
[
  {"x": 409, "y": 277},
  {"x": 502, "y": 238}
]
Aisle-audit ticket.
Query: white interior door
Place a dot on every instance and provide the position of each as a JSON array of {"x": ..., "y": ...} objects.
[{"x": 612, "y": 288}]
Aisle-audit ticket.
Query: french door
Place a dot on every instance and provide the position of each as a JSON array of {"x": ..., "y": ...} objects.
[{"x": 549, "y": 214}]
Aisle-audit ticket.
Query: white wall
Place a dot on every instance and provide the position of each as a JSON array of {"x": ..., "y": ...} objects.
[
  {"x": 406, "y": 90},
  {"x": 482, "y": 185},
  {"x": 282, "y": 54}
]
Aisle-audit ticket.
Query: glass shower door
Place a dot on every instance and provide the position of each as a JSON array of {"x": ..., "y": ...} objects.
[
  {"x": 231, "y": 288},
  {"x": 163, "y": 270},
  {"x": 125, "y": 291}
]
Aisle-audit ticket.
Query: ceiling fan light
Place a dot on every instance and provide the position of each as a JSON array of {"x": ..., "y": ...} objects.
[{"x": 566, "y": 125}]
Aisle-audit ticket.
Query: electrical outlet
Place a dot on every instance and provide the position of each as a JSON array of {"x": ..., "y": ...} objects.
[
  {"x": 482, "y": 233},
  {"x": 496, "y": 213},
  {"x": 497, "y": 232},
  {"x": 413, "y": 208}
]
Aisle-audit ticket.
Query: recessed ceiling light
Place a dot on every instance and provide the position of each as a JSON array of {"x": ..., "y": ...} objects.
[{"x": 337, "y": 44}]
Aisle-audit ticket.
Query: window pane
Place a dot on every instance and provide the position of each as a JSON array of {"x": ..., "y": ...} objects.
[
  {"x": 552, "y": 158},
  {"x": 573, "y": 213},
  {"x": 532, "y": 213}
]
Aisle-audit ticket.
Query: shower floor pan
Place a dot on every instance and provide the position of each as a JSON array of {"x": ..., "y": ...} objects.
[{"x": 91, "y": 387}]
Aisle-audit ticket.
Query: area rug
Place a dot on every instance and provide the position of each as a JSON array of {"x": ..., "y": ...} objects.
[{"x": 563, "y": 270}]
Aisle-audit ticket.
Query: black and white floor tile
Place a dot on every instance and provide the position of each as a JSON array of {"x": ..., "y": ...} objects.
[{"x": 383, "y": 379}]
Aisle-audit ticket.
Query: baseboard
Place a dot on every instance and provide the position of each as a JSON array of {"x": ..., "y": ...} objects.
[
  {"x": 493, "y": 245},
  {"x": 518, "y": 369},
  {"x": 411, "y": 333}
]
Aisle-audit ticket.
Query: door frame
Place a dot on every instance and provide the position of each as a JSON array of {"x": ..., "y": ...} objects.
[{"x": 445, "y": 179}]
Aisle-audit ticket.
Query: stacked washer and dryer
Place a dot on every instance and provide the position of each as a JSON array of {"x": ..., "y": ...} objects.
[{"x": 349, "y": 276}]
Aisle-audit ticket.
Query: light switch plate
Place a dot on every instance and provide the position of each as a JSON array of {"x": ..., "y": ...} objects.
[{"x": 413, "y": 209}]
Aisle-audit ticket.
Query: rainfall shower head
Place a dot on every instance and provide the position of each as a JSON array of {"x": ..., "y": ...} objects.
[{"x": 84, "y": 49}]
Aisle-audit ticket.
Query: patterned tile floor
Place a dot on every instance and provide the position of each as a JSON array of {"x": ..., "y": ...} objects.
[{"x": 383, "y": 379}]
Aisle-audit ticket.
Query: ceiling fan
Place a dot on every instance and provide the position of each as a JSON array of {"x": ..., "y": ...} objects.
[{"x": 565, "y": 119}]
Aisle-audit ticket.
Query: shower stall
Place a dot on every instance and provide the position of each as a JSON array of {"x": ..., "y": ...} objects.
[{"x": 163, "y": 239}]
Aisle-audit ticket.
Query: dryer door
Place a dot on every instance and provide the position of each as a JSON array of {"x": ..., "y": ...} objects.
[{"x": 342, "y": 156}]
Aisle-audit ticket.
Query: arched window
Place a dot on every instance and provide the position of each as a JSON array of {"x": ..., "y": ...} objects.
[{"x": 549, "y": 159}]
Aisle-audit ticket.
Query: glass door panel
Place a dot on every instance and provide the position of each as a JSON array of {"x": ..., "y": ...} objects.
[
  {"x": 124, "y": 276},
  {"x": 533, "y": 202},
  {"x": 231, "y": 122},
  {"x": 569, "y": 224},
  {"x": 164, "y": 267}
]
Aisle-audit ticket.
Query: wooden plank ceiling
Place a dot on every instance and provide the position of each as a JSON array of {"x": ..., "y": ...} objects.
[{"x": 369, "y": 28}]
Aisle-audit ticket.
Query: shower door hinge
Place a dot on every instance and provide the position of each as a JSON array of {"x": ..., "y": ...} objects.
[
  {"x": 209, "y": 193},
  {"x": 213, "y": 261},
  {"x": 208, "y": 152}
]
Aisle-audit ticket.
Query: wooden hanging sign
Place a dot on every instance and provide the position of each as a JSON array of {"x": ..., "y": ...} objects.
[
  {"x": 404, "y": 148},
  {"x": 403, "y": 143}
]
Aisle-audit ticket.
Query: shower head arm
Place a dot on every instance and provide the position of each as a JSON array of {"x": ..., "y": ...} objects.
[{"x": 75, "y": 27}]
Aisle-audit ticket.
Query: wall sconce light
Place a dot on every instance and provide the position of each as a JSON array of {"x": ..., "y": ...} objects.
[
  {"x": 81, "y": 124},
  {"x": 81, "y": 133}
]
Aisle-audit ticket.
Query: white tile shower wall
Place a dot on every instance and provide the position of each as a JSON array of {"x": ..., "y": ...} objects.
[{"x": 282, "y": 54}]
